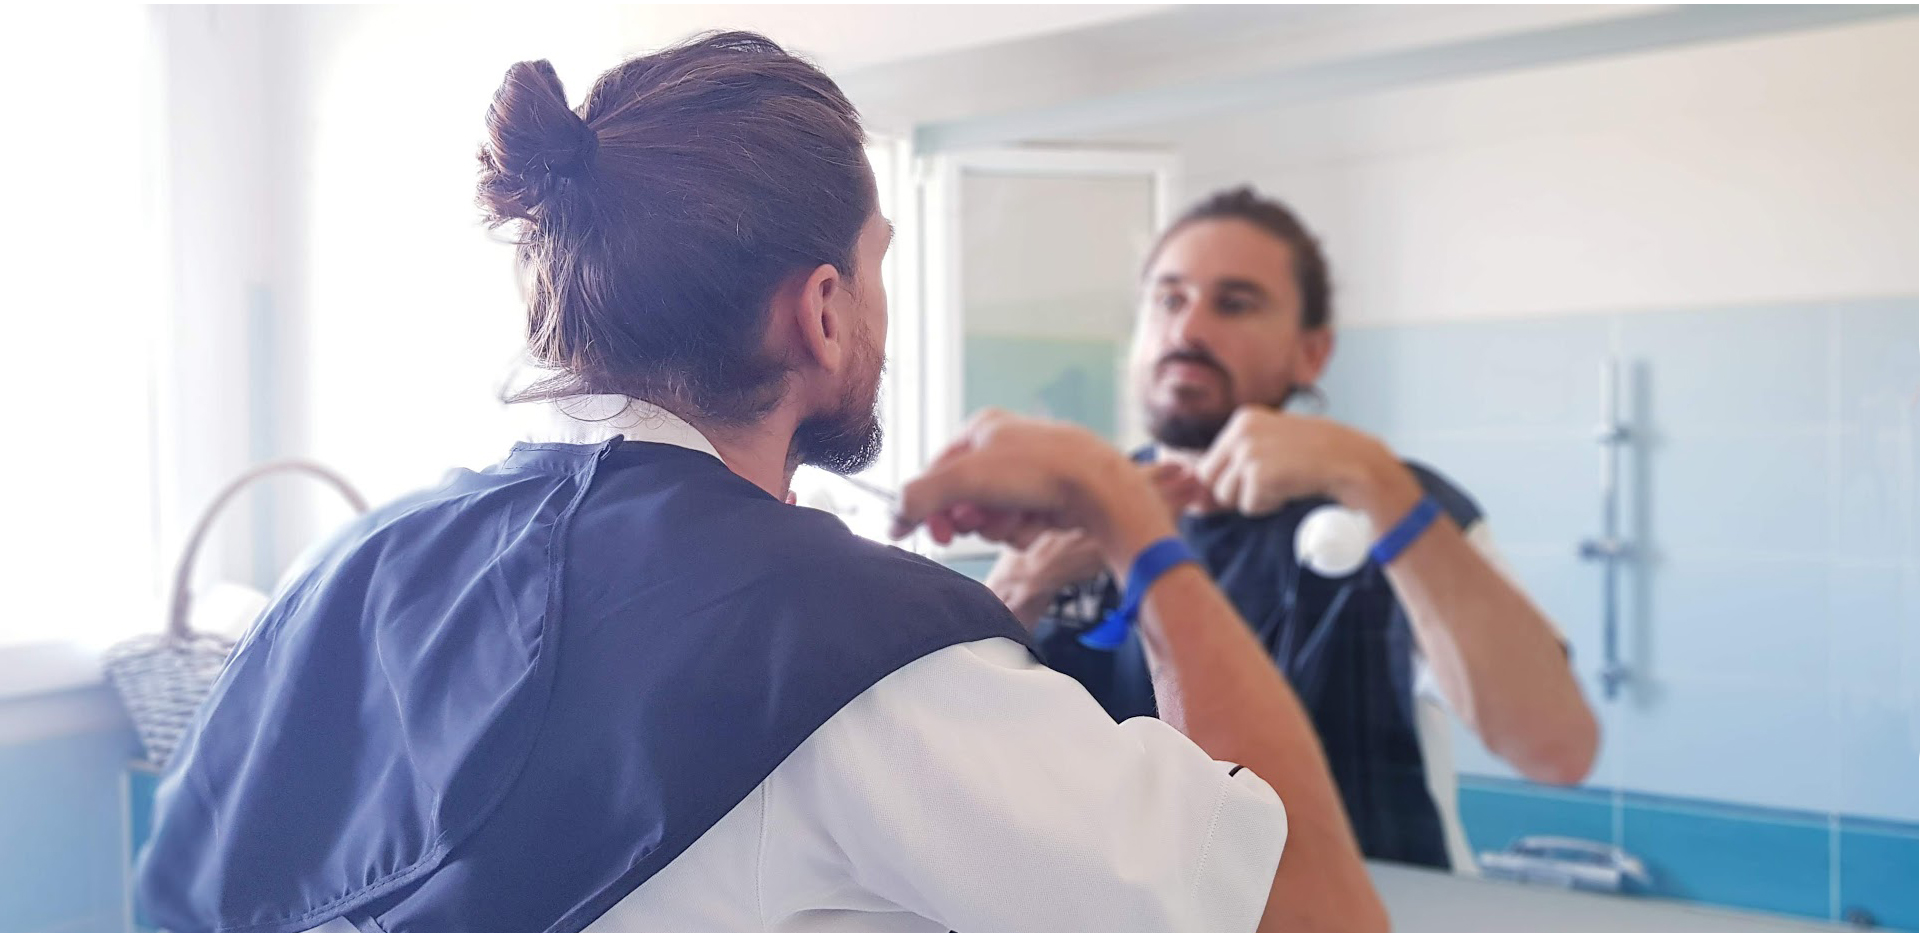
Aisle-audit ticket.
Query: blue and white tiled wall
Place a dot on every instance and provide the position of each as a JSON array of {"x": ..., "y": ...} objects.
[
  {"x": 62, "y": 836},
  {"x": 1764, "y": 754}
]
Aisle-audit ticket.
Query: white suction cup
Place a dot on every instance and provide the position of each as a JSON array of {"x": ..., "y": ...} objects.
[{"x": 1333, "y": 540}]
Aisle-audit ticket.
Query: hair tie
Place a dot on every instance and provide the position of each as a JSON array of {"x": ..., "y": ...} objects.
[
  {"x": 575, "y": 162},
  {"x": 1315, "y": 397}
]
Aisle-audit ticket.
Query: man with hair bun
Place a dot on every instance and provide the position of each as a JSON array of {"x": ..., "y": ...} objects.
[{"x": 616, "y": 682}]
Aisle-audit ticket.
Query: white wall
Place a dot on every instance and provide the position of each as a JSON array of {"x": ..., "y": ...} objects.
[
  {"x": 1762, "y": 170},
  {"x": 839, "y": 37},
  {"x": 1172, "y": 47},
  {"x": 335, "y": 295},
  {"x": 84, "y": 281},
  {"x": 413, "y": 316}
]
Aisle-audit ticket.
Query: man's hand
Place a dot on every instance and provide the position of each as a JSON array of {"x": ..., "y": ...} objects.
[
  {"x": 1027, "y": 579},
  {"x": 1011, "y": 479},
  {"x": 1180, "y": 488},
  {"x": 1264, "y": 458}
]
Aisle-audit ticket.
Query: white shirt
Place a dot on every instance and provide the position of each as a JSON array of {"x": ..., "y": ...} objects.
[{"x": 973, "y": 789}]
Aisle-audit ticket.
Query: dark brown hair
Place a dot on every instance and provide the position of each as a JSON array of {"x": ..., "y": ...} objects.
[
  {"x": 655, "y": 222},
  {"x": 1309, "y": 264}
]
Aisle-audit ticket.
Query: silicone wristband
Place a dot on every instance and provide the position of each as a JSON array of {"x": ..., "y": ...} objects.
[
  {"x": 1401, "y": 536},
  {"x": 1152, "y": 564}
]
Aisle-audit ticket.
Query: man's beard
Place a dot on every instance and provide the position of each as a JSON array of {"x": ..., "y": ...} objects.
[
  {"x": 1190, "y": 430},
  {"x": 847, "y": 439},
  {"x": 1183, "y": 431}
]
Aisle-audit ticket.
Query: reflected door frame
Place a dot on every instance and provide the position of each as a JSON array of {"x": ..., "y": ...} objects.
[{"x": 941, "y": 337}]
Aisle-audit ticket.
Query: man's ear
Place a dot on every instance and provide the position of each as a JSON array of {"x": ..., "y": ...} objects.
[
  {"x": 1316, "y": 348},
  {"x": 817, "y": 320}
]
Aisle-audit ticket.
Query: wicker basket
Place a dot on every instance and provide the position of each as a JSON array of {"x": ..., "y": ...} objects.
[{"x": 163, "y": 678}]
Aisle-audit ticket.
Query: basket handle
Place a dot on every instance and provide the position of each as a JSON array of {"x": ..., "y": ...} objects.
[{"x": 177, "y": 629}]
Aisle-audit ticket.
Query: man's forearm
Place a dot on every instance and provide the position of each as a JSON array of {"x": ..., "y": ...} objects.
[
  {"x": 1496, "y": 657},
  {"x": 1214, "y": 683}
]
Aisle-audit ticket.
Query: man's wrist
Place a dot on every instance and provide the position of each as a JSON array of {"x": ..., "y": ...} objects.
[
  {"x": 1132, "y": 517},
  {"x": 1378, "y": 485}
]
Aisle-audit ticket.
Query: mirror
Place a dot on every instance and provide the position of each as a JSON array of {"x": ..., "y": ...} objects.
[
  {"x": 1635, "y": 286},
  {"x": 1640, "y": 283}
]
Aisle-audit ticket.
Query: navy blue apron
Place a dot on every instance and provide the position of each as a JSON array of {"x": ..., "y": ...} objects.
[
  {"x": 1345, "y": 645},
  {"x": 505, "y": 703}
]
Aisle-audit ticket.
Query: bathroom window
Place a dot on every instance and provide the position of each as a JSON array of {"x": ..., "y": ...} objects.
[
  {"x": 1030, "y": 261},
  {"x": 84, "y": 304}
]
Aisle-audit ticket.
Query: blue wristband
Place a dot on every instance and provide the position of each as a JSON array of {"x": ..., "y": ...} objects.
[
  {"x": 1401, "y": 536},
  {"x": 1153, "y": 563}
]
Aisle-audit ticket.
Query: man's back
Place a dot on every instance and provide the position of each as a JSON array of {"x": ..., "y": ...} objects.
[
  {"x": 538, "y": 663},
  {"x": 699, "y": 633}
]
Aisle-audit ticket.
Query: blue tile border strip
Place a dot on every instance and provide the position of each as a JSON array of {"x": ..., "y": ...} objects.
[
  {"x": 59, "y": 831},
  {"x": 1781, "y": 866},
  {"x": 1732, "y": 855},
  {"x": 1877, "y": 877},
  {"x": 143, "y": 782}
]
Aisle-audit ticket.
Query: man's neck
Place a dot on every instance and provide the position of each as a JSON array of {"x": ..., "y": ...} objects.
[{"x": 758, "y": 452}]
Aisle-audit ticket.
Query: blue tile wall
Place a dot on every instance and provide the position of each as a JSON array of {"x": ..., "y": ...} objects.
[
  {"x": 1763, "y": 744},
  {"x": 1779, "y": 864},
  {"x": 1874, "y": 625},
  {"x": 1769, "y": 492},
  {"x": 1877, "y": 361},
  {"x": 1776, "y": 608},
  {"x": 142, "y": 784},
  {"x": 61, "y": 846},
  {"x": 1878, "y": 865},
  {"x": 1545, "y": 515},
  {"x": 1495, "y": 814},
  {"x": 1785, "y": 861},
  {"x": 1739, "y": 493},
  {"x": 1879, "y": 761},
  {"x": 1771, "y": 615},
  {"x": 1445, "y": 378},
  {"x": 1726, "y": 369},
  {"x": 1874, "y": 492}
]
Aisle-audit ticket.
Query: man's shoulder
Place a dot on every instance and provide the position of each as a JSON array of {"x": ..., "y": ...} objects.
[
  {"x": 823, "y": 567},
  {"x": 755, "y": 533}
]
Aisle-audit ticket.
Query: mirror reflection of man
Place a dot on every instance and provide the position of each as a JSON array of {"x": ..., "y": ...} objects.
[{"x": 1235, "y": 320}]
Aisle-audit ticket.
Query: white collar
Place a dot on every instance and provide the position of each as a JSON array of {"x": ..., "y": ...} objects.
[{"x": 595, "y": 419}]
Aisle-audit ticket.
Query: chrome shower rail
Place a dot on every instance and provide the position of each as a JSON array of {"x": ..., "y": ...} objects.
[{"x": 1610, "y": 549}]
